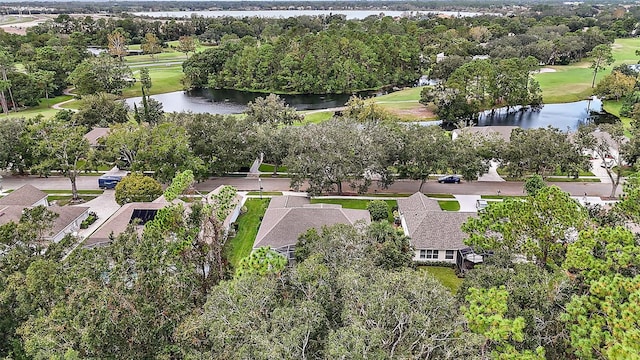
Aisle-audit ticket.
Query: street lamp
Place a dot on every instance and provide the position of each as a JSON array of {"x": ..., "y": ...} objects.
[{"x": 260, "y": 186}]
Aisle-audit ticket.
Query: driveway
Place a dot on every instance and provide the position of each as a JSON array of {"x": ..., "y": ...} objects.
[
  {"x": 104, "y": 206},
  {"x": 492, "y": 175},
  {"x": 467, "y": 202}
]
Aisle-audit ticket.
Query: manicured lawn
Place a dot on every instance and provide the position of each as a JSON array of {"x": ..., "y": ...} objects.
[
  {"x": 87, "y": 192},
  {"x": 316, "y": 117},
  {"x": 502, "y": 197},
  {"x": 449, "y": 205},
  {"x": 569, "y": 179},
  {"x": 248, "y": 224},
  {"x": 411, "y": 94},
  {"x": 44, "y": 108},
  {"x": 614, "y": 107},
  {"x": 62, "y": 200},
  {"x": 441, "y": 196},
  {"x": 445, "y": 275},
  {"x": 265, "y": 193},
  {"x": 393, "y": 195},
  {"x": 503, "y": 172},
  {"x": 269, "y": 168},
  {"x": 358, "y": 204},
  {"x": 163, "y": 80}
]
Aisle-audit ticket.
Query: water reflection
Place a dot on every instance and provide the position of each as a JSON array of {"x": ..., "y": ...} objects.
[
  {"x": 561, "y": 116},
  {"x": 222, "y": 101}
]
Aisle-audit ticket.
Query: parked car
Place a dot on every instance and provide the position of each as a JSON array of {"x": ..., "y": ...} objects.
[
  {"x": 450, "y": 179},
  {"x": 481, "y": 204},
  {"x": 108, "y": 181}
]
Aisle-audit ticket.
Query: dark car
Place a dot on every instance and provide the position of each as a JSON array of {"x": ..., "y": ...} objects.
[{"x": 449, "y": 179}]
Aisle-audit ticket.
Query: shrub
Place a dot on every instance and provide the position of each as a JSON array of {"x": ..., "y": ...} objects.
[
  {"x": 137, "y": 188},
  {"x": 378, "y": 209}
]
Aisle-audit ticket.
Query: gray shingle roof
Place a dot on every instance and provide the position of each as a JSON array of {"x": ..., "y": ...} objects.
[
  {"x": 503, "y": 131},
  {"x": 429, "y": 227},
  {"x": 95, "y": 134},
  {"x": 26, "y": 195},
  {"x": 287, "y": 217},
  {"x": 66, "y": 215}
]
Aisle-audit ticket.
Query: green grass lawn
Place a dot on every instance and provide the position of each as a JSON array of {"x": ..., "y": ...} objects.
[
  {"x": 163, "y": 79},
  {"x": 62, "y": 200},
  {"x": 44, "y": 108},
  {"x": 449, "y": 205},
  {"x": 441, "y": 196},
  {"x": 569, "y": 179},
  {"x": 614, "y": 107},
  {"x": 358, "y": 204},
  {"x": 412, "y": 94},
  {"x": 248, "y": 224},
  {"x": 502, "y": 197},
  {"x": 265, "y": 193},
  {"x": 445, "y": 275},
  {"x": 316, "y": 117},
  {"x": 86, "y": 192},
  {"x": 269, "y": 168}
]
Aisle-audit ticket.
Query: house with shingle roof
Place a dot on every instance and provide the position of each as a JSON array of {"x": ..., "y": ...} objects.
[
  {"x": 96, "y": 134},
  {"x": 435, "y": 234},
  {"x": 288, "y": 217},
  {"x": 503, "y": 132},
  {"x": 26, "y": 197}
]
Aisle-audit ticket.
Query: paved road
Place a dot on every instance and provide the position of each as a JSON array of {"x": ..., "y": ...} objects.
[{"x": 276, "y": 184}]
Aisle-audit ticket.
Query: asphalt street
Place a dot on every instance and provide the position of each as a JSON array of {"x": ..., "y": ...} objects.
[{"x": 278, "y": 184}]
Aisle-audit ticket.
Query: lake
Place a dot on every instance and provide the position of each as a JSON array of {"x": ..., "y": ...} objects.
[
  {"x": 222, "y": 101},
  {"x": 562, "y": 116},
  {"x": 350, "y": 14}
]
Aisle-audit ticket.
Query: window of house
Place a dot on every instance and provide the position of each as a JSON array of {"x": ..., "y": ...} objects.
[
  {"x": 423, "y": 254},
  {"x": 449, "y": 254},
  {"x": 432, "y": 254}
]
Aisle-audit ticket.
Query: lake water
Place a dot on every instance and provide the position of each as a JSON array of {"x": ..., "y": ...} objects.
[
  {"x": 220, "y": 101},
  {"x": 561, "y": 116},
  {"x": 350, "y": 14}
]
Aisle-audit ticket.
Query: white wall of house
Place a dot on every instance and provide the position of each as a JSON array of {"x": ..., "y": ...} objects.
[
  {"x": 440, "y": 255},
  {"x": 42, "y": 202},
  {"x": 74, "y": 226}
]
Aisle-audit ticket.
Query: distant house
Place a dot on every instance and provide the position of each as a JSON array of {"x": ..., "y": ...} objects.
[
  {"x": 96, "y": 134},
  {"x": 288, "y": 217},
  {"x": 435, "y": 234},
  {"x": 440, "y": 57},
  {"x": 69, "y": 217}
]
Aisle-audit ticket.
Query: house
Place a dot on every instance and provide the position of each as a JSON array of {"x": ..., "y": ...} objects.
[
  {"x": 95, "y": 134},
  {"x": 137, "y": 214},
  {"x": 288, "y": 217},
  {"x": 25, "y": 196},
  {"x": 69, "y": 217},
  {"x": 435, "y": 234}
]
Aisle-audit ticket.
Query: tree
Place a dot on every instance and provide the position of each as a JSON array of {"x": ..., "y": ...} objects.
[
  {"x": 222, "y": 142},
  {"x": 151, "y": 45},
  {"x": 6, "y": 65},
  {"x": 390, "y": 246},
  {"x": 328, "y": 154},
  {"x": 604, "y": 322},
  {"x": 542, "y": 151},
  {"x": 186, "y": 44},
  {"x": 538, "y": 228},
  {"x": 378, "y": 209},
  {"x": 601, "y": 57},
  {"x": 364, "y": 111},
  {"x": 603, "y": 252},
  {"x": 629, "y": 205},
  {"x": 117, "y": 44},
  {"x": 262, "y": 261},
  {"x": 60, "y": 146},
  {"x": 615, "y": 86},
  {"x": 167, "y": 152},
  {"x": 123, "y": 143},
  {"x": 470, "y": 154},
  {"x": 101, "y": 74},
  {"x": 15, "y": 149},
  {"x": 272, "y": 110},
  {"x": 424, "y": 152},
  {"x": 44, "y": 80},
  {"x": 273, "y": 143},
  {"x": 486, "y": 316},
  {"x": 533, "y": 184},
  {"x": 607, "y": 141},
  {"x": 102, "y": 109},
  {"x": 137, "y": 188}
]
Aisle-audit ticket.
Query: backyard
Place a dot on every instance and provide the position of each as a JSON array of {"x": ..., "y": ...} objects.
[{"x": 240, "y": 245}]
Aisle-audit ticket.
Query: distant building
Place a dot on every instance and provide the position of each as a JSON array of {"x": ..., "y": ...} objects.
[
  {"x": 96, "y": 134},
  {"x": 502, "y": 131}
]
